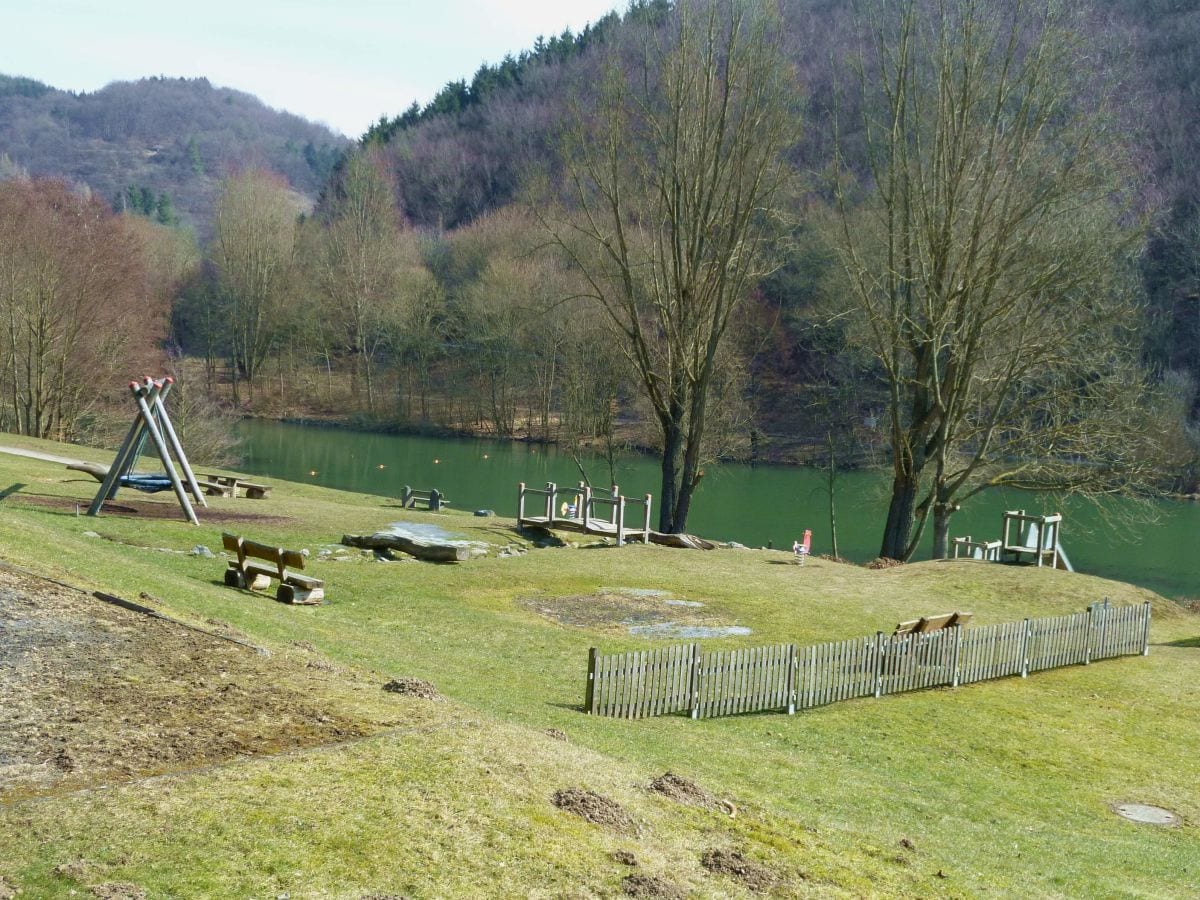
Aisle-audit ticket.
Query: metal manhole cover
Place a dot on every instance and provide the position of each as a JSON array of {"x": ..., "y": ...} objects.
[{"x": 1147, "y": 815}]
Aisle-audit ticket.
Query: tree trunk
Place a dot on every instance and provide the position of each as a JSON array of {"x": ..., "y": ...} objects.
[
  {"x": 900, "y": 517},
  {"x": 672, "y": 443}
]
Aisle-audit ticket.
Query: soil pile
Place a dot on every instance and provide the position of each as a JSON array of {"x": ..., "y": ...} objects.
[
  {"x": 413, "y": 687},
  {"x": 732, "y": 863},
  {"x": 639, "y": 885},
  {"x": 594, "y": 808}
]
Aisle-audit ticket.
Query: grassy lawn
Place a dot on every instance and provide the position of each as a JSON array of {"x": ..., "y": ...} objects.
[{"x": 997, "y": 788}]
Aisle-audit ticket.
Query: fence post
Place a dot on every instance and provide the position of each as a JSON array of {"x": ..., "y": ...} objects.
[
  {"x": 1146, "y": 628},
  {"x": 551, "y": 496},
  {"x": 621, "y": 522},
  {"x": 520, "y": 503},
  {"x": 1091, "y": 627},
  {"x": 590, "y": 702},
  {"x": 694, "y": 682},
  {"x": 793, "y": 652},
  {"x": 1103, "y": 648},
  {"x": 1025, "y": 640},
  {"x": 957, "y": 652},
  {"x": 879, "y": 663}
]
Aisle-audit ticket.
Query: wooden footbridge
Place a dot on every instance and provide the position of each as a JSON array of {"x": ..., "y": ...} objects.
[{"x": 584, "y": 509}]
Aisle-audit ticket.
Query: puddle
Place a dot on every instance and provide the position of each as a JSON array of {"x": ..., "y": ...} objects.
[
  {"x": 675, "y": 630},
  {"x": 636, "y": 592},
  {"x": 1147, "y": 815}
]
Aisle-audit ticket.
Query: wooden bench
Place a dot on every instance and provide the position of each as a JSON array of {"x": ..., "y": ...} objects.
[
  {"x": 234, "y": 486},
  {"x": 293, "y": 588},
  {"x": 433, "y": 499},
  {"x": 928, "y": 624}
]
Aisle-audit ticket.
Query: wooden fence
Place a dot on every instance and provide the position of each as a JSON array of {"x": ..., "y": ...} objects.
[{"x": 682, "y": 678}]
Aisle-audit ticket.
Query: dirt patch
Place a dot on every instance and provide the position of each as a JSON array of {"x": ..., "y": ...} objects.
[
  {"x": 882, "y": 562},
  {"x": 413, "y": 687},
  {"x": 754, "y": 876},
  {"x": 117, "y": 890},
  {"x": 619, "y": 612},
  {"x": 594, "y": 808},
  {"x": 683, "y": 790},
  {"x": 557, "y": 734},
  {"x": 91, "y": 692},
  {"x": 639, "y": 885},
  {"x": 151, "y": 509},
  {"x": 7, "y": 891},
  {"x": 624, "y": 857}
]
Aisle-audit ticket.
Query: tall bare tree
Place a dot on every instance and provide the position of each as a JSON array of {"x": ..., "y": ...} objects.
[
  {"x": 676, "y": 179},
  {"x": 76, "y": 305},
  {"x": 359, "y": 263},
  {"x": 254, "y": 251},
  {"x": 989, "y": 262}
]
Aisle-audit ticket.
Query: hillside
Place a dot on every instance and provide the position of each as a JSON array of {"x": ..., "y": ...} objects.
[
  {"x": 178, "y": 762},
  {"x": 158, "y": 136},
  {"x": 468, "y": 151}
]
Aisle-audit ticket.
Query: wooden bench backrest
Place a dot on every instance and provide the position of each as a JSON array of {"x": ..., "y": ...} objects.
[
  {"x": 277, "y": 555},
  {"x": 926, "y": 624}
]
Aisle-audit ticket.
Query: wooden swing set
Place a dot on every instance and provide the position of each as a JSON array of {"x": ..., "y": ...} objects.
[{"x": 154, "y": 425}]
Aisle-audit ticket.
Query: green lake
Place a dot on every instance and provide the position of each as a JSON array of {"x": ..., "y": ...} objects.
[{"x": 1155, "y": 545}]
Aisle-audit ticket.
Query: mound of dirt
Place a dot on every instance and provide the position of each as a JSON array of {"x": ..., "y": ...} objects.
[
  {"x": 754, "y": 876},
  {"x": 882, "y": 562},
  {"x": 413, "y": 687},
  {"x": 594, "y": 808},
  {"x": 683, "y": 790},
  {"x": 624, "y": 857},
  {"x": 557, "y": 734},
  {"x": 639, "y": 885}
]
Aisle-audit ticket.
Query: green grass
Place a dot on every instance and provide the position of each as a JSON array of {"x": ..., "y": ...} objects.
[{"x": 1003, "y": 787}]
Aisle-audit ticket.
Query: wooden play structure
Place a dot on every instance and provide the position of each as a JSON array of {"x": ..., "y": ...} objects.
[
  {"x": 576, "y": 509},
  {"x": 930, "y": 624},
  {"x": 432, "y": 499},
  {"x": 1024, "y": 535},
  {"x": 968, "y": 548},
  {"x": 293, "y": 587},
  {"x": 153, "y": 425},
  {"x": 1041, "y": 541}
]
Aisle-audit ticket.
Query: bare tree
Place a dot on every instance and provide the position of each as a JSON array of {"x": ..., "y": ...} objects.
[
  {"x": 989, "y": 263},
  {"x": 254, "y": 251},
  {"x": 358, "y": 266},
  {"x": 76, "y": 305},
  {"x": 675, "y": 183}
]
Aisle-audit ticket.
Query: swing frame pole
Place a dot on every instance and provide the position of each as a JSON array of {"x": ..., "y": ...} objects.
[
  {"x": 168, "y": 430},
  {"x": 108, "y": 488},
  {"x": 161, "y": 447}
]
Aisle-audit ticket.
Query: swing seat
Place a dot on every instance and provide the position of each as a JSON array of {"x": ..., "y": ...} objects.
[{"x": 149, "y": 484}]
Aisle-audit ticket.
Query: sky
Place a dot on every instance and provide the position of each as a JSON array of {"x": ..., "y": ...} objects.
[{"x": 342, "y": 63}]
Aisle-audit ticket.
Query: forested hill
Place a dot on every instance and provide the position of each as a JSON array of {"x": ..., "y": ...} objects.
[
  {"x": 158, "y": 145},
  {"x": 465, "y": 153}
]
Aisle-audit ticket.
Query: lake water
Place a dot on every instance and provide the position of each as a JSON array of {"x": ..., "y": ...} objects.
[{"x": 752, "y": 505}]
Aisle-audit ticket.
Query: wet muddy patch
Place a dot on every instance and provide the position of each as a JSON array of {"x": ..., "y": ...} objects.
[{"x": 644, "y": 612}]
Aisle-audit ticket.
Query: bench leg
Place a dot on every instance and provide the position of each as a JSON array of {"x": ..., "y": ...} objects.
[{"x": 234, "y": 578}]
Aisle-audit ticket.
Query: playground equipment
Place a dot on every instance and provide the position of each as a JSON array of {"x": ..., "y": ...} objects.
[
  {"x": 578, "y": 511},
  {"x": 1041, "y": 542},
  {"x": 151, "y": 423}
]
